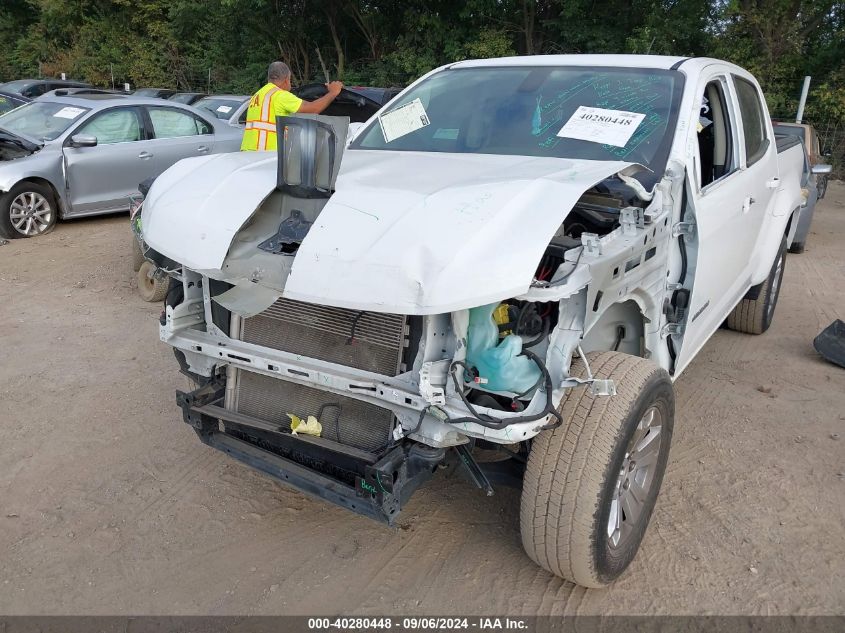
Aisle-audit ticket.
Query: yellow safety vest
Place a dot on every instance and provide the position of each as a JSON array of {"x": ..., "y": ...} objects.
[{"x": 264, "y": 106}]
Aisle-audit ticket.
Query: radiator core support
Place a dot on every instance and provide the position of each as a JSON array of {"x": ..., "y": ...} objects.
[{"x": 369, "y": 341}]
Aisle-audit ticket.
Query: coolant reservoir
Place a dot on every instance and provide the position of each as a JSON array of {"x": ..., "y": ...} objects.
[{"x": 498, "y": 363}]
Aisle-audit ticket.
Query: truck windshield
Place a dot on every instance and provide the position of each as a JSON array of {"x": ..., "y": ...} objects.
[
  {"x": 629, "y": 114},
  {"x": 42, "y": 120}
]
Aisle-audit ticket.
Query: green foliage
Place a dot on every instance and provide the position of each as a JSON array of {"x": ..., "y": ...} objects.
[{"x": 227, "y": 44}]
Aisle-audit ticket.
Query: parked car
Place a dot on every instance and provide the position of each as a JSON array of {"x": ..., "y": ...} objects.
[
  {"x": 807, "y": 134},
  {"x": 11, "y": 100},
  {"x": 36, "y": 87},
  {"x": 518, "y": 255},
  {"x": 230, "y": 108},
  {"x": 70, "y": 92},
  {"x": 154, "y": 93},
  {"x": 84, "y": 155},
  {"x": 358, "y": 103},
  {"x": 809, "y": 191},
  {"x": 188, "y": 98}
]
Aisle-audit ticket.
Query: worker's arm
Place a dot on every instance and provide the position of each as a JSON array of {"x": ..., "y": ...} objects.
[{"x": 318, "y": 105}]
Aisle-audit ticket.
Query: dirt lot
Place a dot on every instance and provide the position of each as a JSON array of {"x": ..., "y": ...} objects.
[{"x": 109, "y": 504}]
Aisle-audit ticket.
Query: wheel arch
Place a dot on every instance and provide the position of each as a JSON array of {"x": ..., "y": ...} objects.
[
  {"x": 603, "y": 334},
  {"x": 44, "y": 182}
]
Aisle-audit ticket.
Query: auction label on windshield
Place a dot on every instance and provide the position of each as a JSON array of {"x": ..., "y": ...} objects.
[
  {"x": 597, "y": 125},
  {"x": 403, "y": 120},
  {"x": 69, "y": 113}
]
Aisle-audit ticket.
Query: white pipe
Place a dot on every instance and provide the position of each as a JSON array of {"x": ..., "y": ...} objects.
[{"x": 803, "y": 101}]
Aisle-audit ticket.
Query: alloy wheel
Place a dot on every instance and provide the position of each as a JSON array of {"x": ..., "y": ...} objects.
[
  {"x": 635, "y": 479},
  {"x": 31, "y": 213}
]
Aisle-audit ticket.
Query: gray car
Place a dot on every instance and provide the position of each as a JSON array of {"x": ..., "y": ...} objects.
[
  {"x": 231, "y": 108},
  {"x": 84, "y": 155}
]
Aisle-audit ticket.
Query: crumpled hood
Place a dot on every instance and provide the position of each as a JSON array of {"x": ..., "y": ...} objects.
[
  {"x": 404, "y": 232},
  {"x": 425, "y": 233},
  {"x": 195, "y": 208}
]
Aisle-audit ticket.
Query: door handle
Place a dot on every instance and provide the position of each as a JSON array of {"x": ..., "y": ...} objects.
[
  {"x": 202, "y": 149},
  {"x": 145, "y": 155},
  {"x": 774, "y": 183}
]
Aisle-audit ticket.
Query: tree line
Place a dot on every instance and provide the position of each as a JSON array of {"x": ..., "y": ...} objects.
[{"x": 225, "y": 45}]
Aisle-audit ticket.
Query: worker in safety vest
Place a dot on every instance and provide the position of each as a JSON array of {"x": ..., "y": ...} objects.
[{"x": 275, "y": 99}]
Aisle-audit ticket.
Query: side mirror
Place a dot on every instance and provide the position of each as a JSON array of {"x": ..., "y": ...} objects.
[
  {"x": 83, "y": 140},
  {"x": 826, "y": 152},
  {"x": 821, "y": 169}
]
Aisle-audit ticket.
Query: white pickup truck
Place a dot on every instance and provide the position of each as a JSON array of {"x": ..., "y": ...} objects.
[{"x": 501, "y": 274}]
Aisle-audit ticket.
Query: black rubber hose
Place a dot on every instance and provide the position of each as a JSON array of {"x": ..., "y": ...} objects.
[{"x": 495, "y": 423}]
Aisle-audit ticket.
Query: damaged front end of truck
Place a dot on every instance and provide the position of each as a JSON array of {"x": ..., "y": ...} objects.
[{"x": 350, "y": 333}]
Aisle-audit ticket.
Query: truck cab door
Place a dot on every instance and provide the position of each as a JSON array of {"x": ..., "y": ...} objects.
[
  {"x": 725, "y": 217},
  {"x": 760, "y": 173}
]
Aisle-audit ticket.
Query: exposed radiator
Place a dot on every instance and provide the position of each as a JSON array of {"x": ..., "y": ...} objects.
[{"x": 369, "y": 341}]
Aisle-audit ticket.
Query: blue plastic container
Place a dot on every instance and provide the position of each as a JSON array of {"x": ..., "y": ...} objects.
[{"x": 499, "y": 363}]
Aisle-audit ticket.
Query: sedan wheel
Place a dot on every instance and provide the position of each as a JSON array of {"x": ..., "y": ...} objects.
[
  {"x": 27, "y": 210},
  {"x": 31, "y": 214}
]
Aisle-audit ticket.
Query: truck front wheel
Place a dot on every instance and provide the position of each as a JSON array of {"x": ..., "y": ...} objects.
[{"x": 591, "y": 484}]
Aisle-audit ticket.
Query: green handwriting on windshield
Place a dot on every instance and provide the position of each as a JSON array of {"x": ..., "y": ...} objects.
[{"x": 641, "y": 94}]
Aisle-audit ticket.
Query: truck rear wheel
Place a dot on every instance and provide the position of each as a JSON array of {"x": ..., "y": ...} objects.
[
  {"x": 754, "y": 316},
  {"x": 591, "y": 484}
]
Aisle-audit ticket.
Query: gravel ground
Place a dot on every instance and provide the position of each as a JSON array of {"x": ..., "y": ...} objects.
[{"x": 109, "y": 504}]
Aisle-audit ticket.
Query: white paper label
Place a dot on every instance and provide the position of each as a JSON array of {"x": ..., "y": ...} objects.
[
  {"x": 608, "y": 127},
  {"x": 403, "y": 120},
  {"x": 224, "y": 109},
  {"x": 69, "y": 113}
]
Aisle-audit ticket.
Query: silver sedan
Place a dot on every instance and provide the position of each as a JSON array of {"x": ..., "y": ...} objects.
[{"x": 74, "y": 156}]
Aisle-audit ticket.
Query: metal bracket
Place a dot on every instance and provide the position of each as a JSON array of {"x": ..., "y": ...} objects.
[
  {"x": 672, "y": 329},
  {"x": 592, "y": 244},
  {"x": 601, "y": 387},
  {"x": 631, "y": 219},
  {"x": 434, "y": 373},
  {"x": 683, "y": 228},
  {"x": 598, "y": 386}
]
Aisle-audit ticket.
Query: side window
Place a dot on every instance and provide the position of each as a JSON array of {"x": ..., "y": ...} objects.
[
  {"x": 120, "y": 125},
  {"x": 716, "y": 143},
  {"x": 171, "y": 123},
  {"x": 753, "y": 122}
]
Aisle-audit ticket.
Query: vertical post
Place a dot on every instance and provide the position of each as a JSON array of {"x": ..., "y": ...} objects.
[
  {"x": 111, "y": 70},
  {"x": 208, "y": 87},
  {"x": 39, "y": 69},
  {"x": 803, "y": 102}
]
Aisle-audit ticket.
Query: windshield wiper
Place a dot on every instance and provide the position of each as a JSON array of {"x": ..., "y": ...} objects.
[{"x": 14, "y": 139}]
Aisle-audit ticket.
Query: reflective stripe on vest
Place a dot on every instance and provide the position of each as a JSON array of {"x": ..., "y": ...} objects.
[
  {"x": 266, "y": 110},
  {"x": 260, "y": 125}
]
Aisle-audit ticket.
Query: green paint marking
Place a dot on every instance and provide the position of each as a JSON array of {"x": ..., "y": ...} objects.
[{"x": 378, "y": 479}]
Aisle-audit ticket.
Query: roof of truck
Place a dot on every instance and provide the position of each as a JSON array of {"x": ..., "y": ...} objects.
[{"x": 627, "y": 61}]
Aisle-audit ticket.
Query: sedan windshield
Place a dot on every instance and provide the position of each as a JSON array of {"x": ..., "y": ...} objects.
[
  {"x": 8, "y": 103},
  {"x": 42, "y": 120},
  {"x": 16, "y": 86},
  {"x": 221, "y": 107},
  {"x": 571, "y": 112}
]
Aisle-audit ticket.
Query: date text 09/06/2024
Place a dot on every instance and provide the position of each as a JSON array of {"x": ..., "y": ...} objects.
[{"x": 417, "y": 623}]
